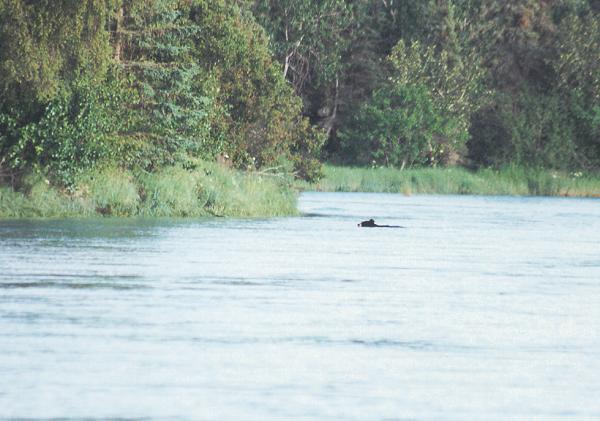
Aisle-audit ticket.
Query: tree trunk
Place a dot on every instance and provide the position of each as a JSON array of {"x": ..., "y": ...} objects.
[{"x": 118, "y": 27}]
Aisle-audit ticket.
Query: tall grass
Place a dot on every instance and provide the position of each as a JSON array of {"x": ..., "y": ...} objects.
[
  {"x": 516, "y": 181},
  {"x": 170, "y": 192},
  {"x": 111, "y": 191},
  {"x": 208, "y": 190},
  {"x": 40, "y": 201},
  {"x": 231, "y": 193},
  {"x": 213, "y": 190}
]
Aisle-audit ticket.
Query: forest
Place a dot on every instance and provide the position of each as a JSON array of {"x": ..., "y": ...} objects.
[{"x": 265, "y": 85}]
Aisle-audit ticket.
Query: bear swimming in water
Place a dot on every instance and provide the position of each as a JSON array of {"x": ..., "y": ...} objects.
[{"x": 371, "y": 223}]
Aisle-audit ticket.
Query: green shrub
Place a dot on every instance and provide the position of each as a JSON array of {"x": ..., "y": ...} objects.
[
  {"x": 12, "y": 204},
  {"x": 111, "y": 191},
  {"x": 397, "y": 128},
  {"x": 420, "y": 117},
  {"x": 41, "y": 201},
  {"x": 526, "y": 130},
  {"x": 171, "y": 191},
  {"x": 231, "y": 193}
]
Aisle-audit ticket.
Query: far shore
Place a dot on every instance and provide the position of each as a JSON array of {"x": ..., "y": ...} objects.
[
  {"x": 216, "y": 191},
  {"x": 511, "y": 181}
]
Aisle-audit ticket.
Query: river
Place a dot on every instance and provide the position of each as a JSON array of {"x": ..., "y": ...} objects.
[{"x": 479, "y": 308}]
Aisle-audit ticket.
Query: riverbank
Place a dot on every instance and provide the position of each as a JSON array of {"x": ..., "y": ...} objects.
[
  {"x": 207, "y": 190},
  {"x": 213, "y": 190},
  {"x": 513, "y": 181}
]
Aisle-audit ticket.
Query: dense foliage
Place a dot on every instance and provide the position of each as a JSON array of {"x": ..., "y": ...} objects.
[
  {"x": 260, "y": 84},
  {"x": 421, "y": 116},
  {"x": 486, "y": 82},
  {"x": 143, "y": 84}
]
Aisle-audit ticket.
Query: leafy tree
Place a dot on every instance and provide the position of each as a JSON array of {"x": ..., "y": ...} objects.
[
  {"x": 309, "y": 39},
  {"x": 511, "y": 37},
  {"x": 56, "y": 86},
  {"x": 403, "y": 19},
  {"x": 48, "y": 44},
  {"x": 575, "y": 63},
  {"x": 378, "y": 26},
  {"x": 424, "y": 108},
  {"x": 307, "y": 36},
  {"x": 529, "y": 129},
  {"x": 542, "y": 66},
  {"x": 398, "y": 127},
  {"x": 263, "y": 123},
  {"x": 144, "y": 83}
]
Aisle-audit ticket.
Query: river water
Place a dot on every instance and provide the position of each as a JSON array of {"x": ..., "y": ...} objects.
[{"x": 480, "y": 308}]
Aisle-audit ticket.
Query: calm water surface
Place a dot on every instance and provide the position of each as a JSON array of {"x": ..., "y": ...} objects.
[{"x": 481, "y": 308}]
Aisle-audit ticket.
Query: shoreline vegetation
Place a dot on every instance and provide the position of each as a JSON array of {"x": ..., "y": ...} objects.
[
  {"x": 210, "y": 190},
  {"x": 217, "y": 108},
  {"x": 510, "y": 181}
]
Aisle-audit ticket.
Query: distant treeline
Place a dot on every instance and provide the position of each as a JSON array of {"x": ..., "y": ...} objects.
[
  {"x": 146, "y": 84},
  {"x": 434, "y": 82},
  {"x": 143, "y": 84}
]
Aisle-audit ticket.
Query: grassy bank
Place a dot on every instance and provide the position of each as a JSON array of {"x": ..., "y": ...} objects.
[
  {"x": 509, "y": 181},
  {"x": 208, "y": 190},
  {"x": 213, "y": 190}
]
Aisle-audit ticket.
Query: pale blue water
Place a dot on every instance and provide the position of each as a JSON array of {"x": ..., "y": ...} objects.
[{"x": 481, "y": 308}]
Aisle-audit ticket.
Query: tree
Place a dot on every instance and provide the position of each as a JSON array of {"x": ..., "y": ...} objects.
[
  {"x": 421, "y": 115},
  {"x": 263, "y": 123},
  {"x": 397, "y": 128},
  {"x": 143, "y": 84},
  {"x": 57, "y": 87},
  {"x": 575, "y": 63},
  {"x": 154, "y": 44},
  {"x": 309, "y": 38},
  {"x": 378, "y": 26},
  {"x": 511, "y": 37},
  {"x": 48, "y": 44}
]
